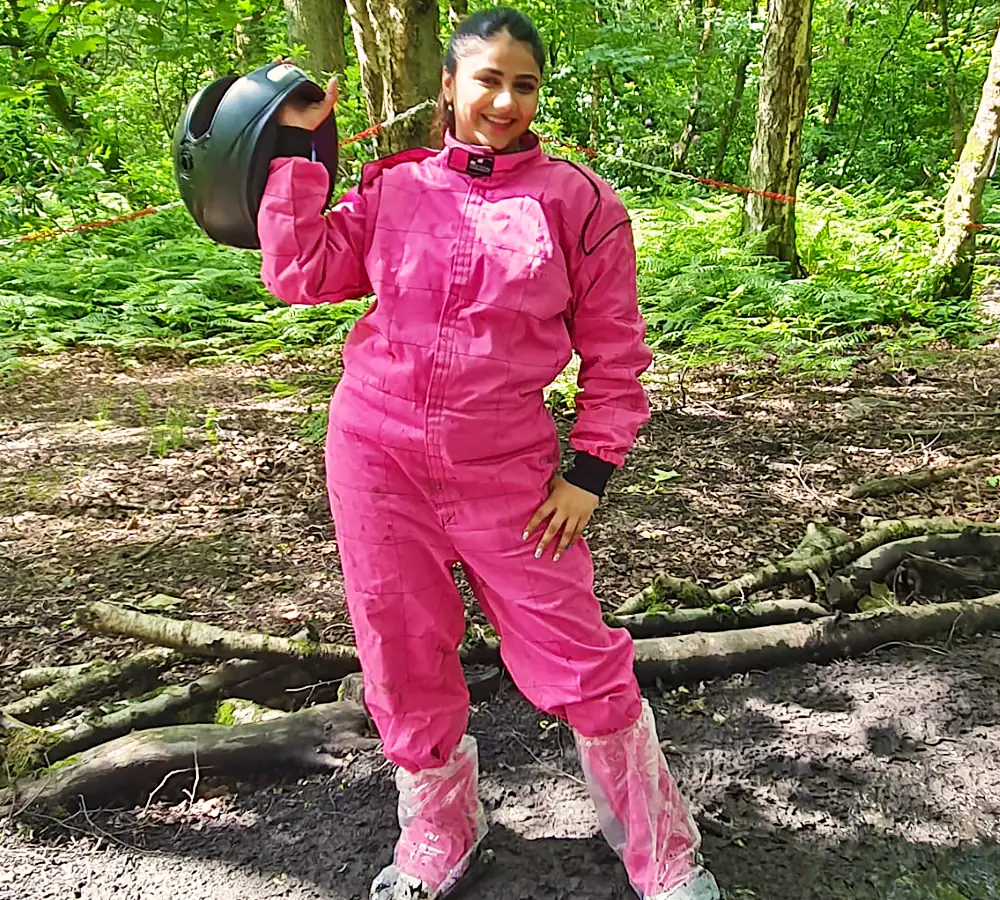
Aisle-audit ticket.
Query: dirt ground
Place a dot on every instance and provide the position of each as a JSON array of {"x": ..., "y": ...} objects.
[{"x": 873, "y": 778}]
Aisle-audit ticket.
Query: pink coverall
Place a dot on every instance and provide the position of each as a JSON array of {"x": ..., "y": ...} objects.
[{"x": 488, "y": 270}]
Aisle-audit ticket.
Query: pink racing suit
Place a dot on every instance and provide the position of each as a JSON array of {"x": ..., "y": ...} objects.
[{"x": 488, "y": 270}]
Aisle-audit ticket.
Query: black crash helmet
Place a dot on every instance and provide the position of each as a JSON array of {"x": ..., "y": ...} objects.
[{"x": 225, "y": 141}]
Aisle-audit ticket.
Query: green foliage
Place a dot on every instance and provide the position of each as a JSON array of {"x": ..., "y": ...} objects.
[
  {"x": 90, "y": 92},
  {"x": 706, "y": 292},
  {"x": 156, "y": 282}
]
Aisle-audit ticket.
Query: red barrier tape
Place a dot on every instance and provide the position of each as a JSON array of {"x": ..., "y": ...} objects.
[
  {"x": 361, "y": 135},
  {"x": 89, "y": 226},
  {"x": 375, "y": 129},
  {"x": 708, "y": 182}
]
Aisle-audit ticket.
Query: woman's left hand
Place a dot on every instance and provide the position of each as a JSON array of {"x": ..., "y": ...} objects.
[{"x": 568, "y": 510}]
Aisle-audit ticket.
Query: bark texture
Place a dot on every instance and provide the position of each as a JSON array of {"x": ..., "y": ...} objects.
[
  {"x": 144, "y": 761},
  {"x": 667, "y": 588},
  {"x": 209, "y": 640},
  {"x": 400, "y": 59},
  {"x": 777, "y": 145},
  {"x": 702, "y": 656},
  {"x": 319, "y": 25},
  {"x": 93, "y": 682},
  {"x": 718, "y": 618},
  {"x": 704, "y": 21},
  {"x": 950, "y": 273}
]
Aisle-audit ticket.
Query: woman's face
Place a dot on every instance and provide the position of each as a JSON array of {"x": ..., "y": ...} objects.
[{"x": 494, "y": 91}]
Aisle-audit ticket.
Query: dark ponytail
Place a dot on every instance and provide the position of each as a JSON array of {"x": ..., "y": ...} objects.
[{"x": 481, "y": 26}]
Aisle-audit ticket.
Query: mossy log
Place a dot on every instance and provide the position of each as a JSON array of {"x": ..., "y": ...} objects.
[
  {"x": 202, "y": 639},
  {"x": 42, "y": 676},
  {"x": 696, "y": 657},
  {"x": 796, "y": 567},
  {"x": 93, "y": 681},
  {"x": 134, "y": 765},
  {"x": 718, "y": 618},
  {"x": 911, "y": 481},
  {"x": 844, "y": 589},
  {"x": 56, "y": 742}
]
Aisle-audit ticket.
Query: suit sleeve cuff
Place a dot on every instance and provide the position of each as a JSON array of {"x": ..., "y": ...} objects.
[
  {"x": 590, "y": 473},
  {"x": 293, "y": 142}
]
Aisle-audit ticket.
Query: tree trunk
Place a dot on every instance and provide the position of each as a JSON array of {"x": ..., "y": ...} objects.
[
  {"x": 735, "y": 103},
  {"x": 400, "y": 58},
  {"x": 704, "y": 20},
  {"x": 845, "y": 42},
  {"x": 956, "y": 114},
  {"x": 950, "y": 273},
  {"x": 250, "y": 38},
  {"x": 777, "y": 145},
  {"x": 65, "y": 110},
  {"x": 319, "y": 25}
]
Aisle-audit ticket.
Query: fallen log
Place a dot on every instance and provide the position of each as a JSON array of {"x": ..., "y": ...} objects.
[
  {"x": 94, "y": 681},
  {"x": 144, "y": 761},
  {"x": 915, "y": 525},
  {"x": 201, "y": 639},
  {"x": 796, "y": 567},
  {"x": 894, "y": 484},
  {"x": 703, "y": 656},
  {"x": 931, "y": 578},
  {"x": 844, "y": 589},
  {"x": 45, "y": 746},
  {"x": 718, "y": 618},
  {"x": 43, "y": 676}
]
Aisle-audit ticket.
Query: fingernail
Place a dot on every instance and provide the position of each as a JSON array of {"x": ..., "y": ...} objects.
[
  {"x": 524, "y": 536},
  {"x": 538, "y": 553},
  {"x": 556, "y": 557}
]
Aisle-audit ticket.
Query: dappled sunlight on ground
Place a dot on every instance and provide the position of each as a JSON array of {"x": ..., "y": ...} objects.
[{"x": 202, "y": 488}]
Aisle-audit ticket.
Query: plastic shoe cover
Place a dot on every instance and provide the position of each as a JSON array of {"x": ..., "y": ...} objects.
[
  {"x": 701, "y": 887},
  {"x": 442, "y": 823},
  {"x": 642, "y": 814}
]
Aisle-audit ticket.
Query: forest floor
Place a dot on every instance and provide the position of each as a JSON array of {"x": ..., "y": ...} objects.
[{"x": 872, "y": 778}]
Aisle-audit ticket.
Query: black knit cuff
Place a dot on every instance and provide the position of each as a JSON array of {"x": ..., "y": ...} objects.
[
  {"x": 590, "y": 473},
  {"x": 293, "y": 142}
]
